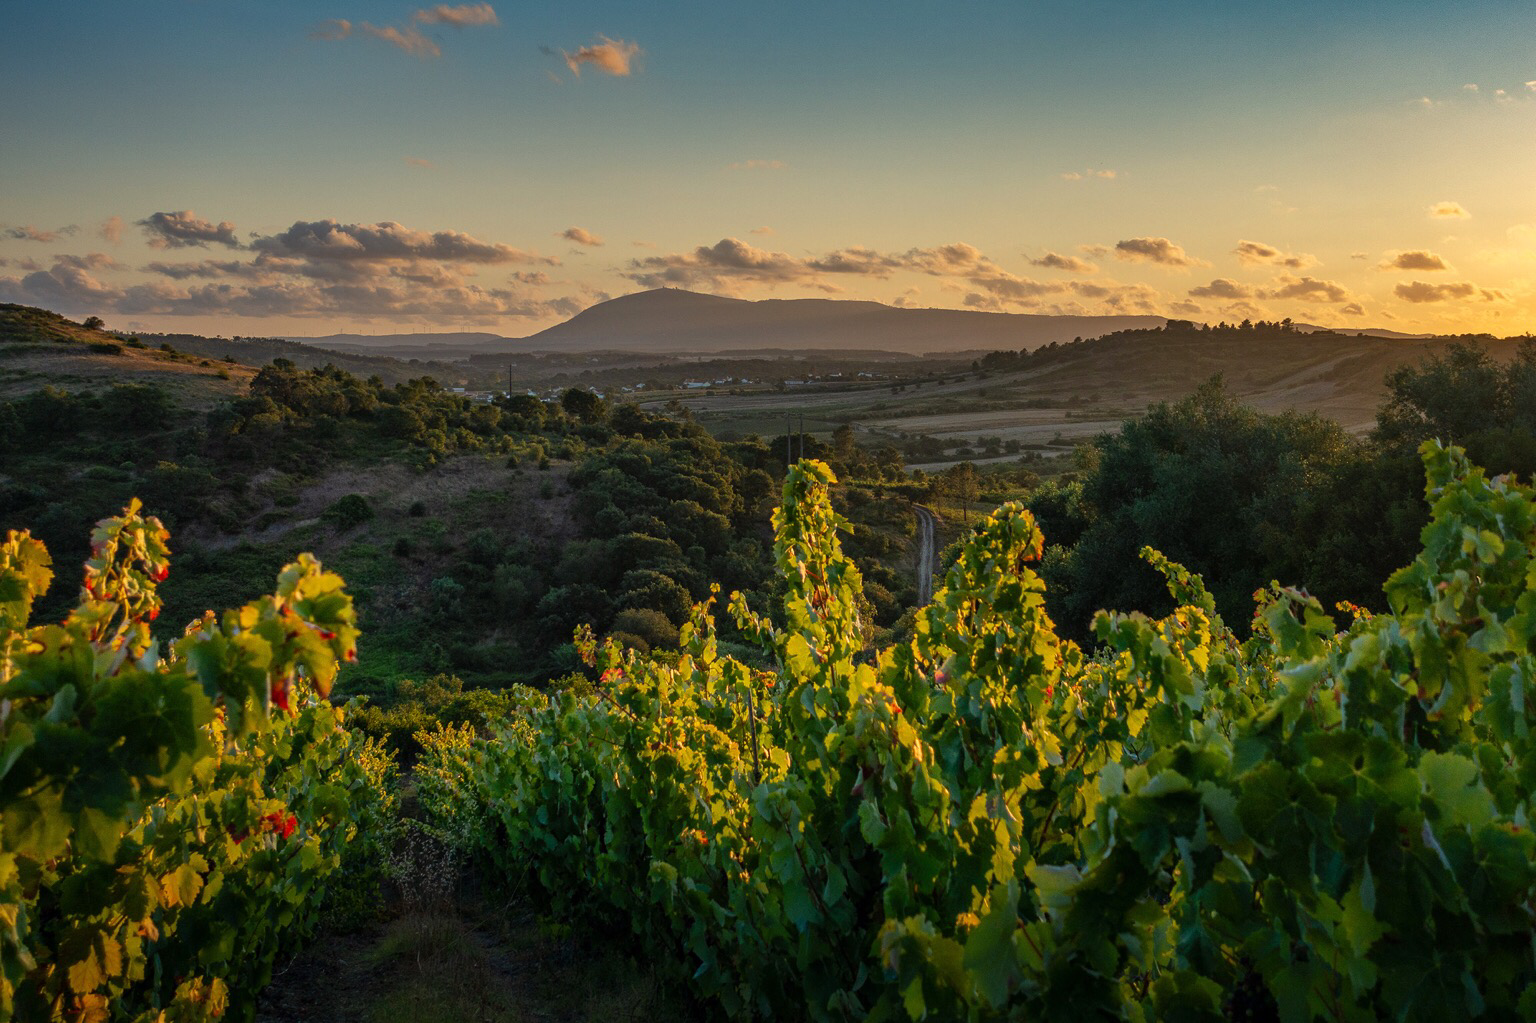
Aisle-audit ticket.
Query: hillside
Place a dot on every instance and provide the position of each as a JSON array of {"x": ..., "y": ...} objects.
[
  {"x": 1049, "y": 399},
  {"x": 670, "y": 320},
  {"x": 40, "y": 348}
]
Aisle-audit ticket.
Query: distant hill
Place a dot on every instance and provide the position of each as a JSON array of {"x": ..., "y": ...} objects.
[
  {"x": 426, "y": 346},
  {"x": 671, "y": 320},
  {"x": 429, "y": 339},
  {"x": 38, "y": 348}
]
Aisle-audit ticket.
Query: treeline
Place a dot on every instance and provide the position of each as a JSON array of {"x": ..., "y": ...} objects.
[
  {"x": 1244, "y": 498},
  {"x": 1248, "y": 330},
  {"x": 646, "y": 509}
]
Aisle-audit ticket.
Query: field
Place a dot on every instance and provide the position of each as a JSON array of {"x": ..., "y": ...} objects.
[{"x": 992, "y": 409}]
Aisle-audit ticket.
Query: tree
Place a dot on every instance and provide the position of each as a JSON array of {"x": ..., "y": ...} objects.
[
  {"x": 1218, "y": 486},
  {"x": 1451, "y": 397},
  {"x": 93, "y": 323},
  {"x": 963, "y": 483},
  {"x": 583, "y": 405}
]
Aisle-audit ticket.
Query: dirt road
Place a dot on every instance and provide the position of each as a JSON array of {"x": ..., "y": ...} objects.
[{"x": 925, "y": 554}]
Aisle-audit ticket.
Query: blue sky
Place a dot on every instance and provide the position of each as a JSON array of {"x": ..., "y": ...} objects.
[{"x": 1363, "y": 166}]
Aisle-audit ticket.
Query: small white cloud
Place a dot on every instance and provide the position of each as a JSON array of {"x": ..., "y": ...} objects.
[
  {"x": 1155, "y": 250},
  {"x": 457, "y": 16},
  {"x": 1254, "y": 253},
  {"x": 1090, "y": 174},
  {"x": 1421, "y": 292},
  {"x": 581, "y": 236},
  {"x": 1071, "y": 264},
  {"x": 1449, "y": 211},
  {"x": 1414, "y": 259},
  {"x": 408, "y": 39},
  {"x": 610, "y": 56},
  {"x": 765, "y": 229}
]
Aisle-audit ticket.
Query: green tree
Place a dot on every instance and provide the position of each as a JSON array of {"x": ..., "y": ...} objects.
[
  {"x": 583, "y": 405},
  {"x": 1216, "y": 485}
]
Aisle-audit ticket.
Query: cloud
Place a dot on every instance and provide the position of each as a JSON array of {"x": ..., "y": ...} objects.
[
  {"x": 611, "y": 56},
  {"x": 63, "y": 287},
  {"x": 186, "y": 229},
  {"x": 731, "y": 265},
  {"x": 332, "y": 29},
  {"x": 1095, "y": 250},
  {"x": 1353, "y": 309},
  {"x": 1420, "y": 291},
  {"x": 28, "y": 233},
  {"x": 1090, "y": 174},
  {"x": 1448, "y": 211},
  {"x": 715, "y": 265},
  {"x": 1155, "y": 250},
  {"x": 757, "y": 165},
  {"x": 419, "y": 163},
  {"x": 1256, "y": 253},
  {"x": 1359, "y": 255},
  {"x": 765, "y": 229},
  {"x": 400, "y": 291},
  {"x": 89, "y": 261},
  {"x": 1308, "y": 289},
  {"x": 458, "y": 16},
  {"x": 331, "y": 241},
  {"x": 1415, "y": 259},
  {"x": 1469, "y": 87},
  {"x": 581, "y": 236},
  {"x": 408, "y": 39},
  {"x": 1071, "y": 264},
  {"x": 111, "y": 229},
  {"x": 733, "y": 260},
  {"x": 212, "y": 269},
  {"x": 1222, "y": 287}
]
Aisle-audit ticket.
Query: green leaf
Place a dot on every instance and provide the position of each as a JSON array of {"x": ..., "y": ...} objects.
[
  {"x": 989, "y": 951},
  {"x": 798, "y": 906}
]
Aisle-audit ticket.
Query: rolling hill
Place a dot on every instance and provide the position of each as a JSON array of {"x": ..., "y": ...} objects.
[{"x": 667, "y": 321}]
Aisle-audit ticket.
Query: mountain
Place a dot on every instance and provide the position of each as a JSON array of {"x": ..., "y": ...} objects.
[{"x": 671, "y": 320}]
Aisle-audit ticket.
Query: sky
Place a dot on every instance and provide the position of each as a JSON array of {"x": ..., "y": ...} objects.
[{"x": 303, "y": 167}]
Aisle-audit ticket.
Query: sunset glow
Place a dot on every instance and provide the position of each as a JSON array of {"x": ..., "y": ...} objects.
[{"x": 289, "y": 167}]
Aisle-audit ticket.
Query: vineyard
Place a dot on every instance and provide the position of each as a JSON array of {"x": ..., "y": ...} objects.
[
  {"x": 174, "y": 819},
  {"x": 984, "y": 822}
]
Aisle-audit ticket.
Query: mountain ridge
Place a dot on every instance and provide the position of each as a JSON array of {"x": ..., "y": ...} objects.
[{"x": 678, "y": 321}]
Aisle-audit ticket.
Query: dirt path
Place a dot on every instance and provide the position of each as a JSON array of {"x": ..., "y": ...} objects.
[{"x": 925, "y": 554}]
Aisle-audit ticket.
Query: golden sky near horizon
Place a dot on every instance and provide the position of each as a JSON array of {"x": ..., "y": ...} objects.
[{"x": 287, "y": 168}]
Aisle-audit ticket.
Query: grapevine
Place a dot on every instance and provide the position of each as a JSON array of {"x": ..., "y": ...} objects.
[
  {"x": 174, "y": 815},
  {"x": 987, "y": 822}
]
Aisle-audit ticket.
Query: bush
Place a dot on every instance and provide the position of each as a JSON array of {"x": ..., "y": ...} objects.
[{"x": 349, "y": 512}]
